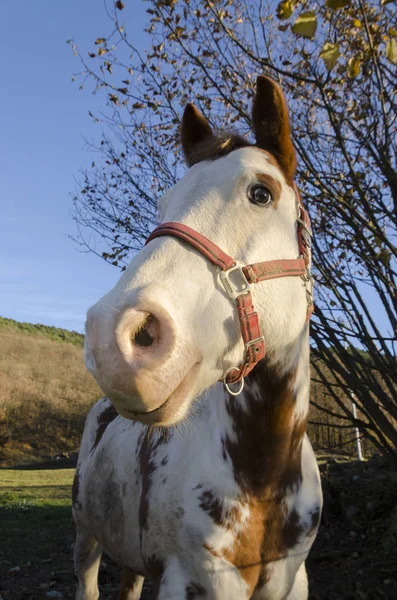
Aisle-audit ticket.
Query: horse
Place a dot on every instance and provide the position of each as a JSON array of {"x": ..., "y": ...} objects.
[{"x": 195, "y": 471}]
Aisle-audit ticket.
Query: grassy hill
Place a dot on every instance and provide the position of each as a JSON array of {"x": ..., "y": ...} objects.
[
  {"x": 52, "y": 333},
  {"x": 45, "y": 391}
]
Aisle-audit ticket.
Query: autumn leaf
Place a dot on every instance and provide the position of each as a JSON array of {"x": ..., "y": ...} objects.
[
  {"x": 391, "y": 51},
  {"x": 392, "y": 32},
  {"x": 354, "y": 66},
  {"x": 99, "y": 41},
  {"x": 119, "y": 5},
  {"x": 91, "y": 54},
  {"x": 113, "y": 98},
  {"x": 330, "y": 54},
  {"x": 335, "y": 4},
  {"x": 285, "y": 10},
  {"x": 305, "y": 25},
  {"x": 102, "y": 51}
]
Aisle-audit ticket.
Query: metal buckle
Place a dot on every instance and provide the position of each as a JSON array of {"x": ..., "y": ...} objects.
[
  {"x": 231, "y": 288},
  {"x": 258, "y": 340}
]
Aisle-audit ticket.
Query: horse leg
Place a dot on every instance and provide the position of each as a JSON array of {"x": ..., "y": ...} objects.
[
  {"x": 130, "y": 585},
  {"x": 300, "y": 588},
  {"x": 87, "y": 556}
]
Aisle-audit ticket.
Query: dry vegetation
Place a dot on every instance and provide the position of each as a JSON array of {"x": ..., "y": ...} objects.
[{"x": 45, "y": 394}]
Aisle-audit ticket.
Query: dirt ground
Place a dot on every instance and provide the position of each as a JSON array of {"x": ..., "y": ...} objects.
[{"x": 353, "y": 558}]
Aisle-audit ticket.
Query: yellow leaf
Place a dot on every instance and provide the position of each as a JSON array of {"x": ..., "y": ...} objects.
[
  {"x": 391, "y": 51},
  {"x": 102, "y": 51},
  {"x": 285, "y": 9},
  {"x": 357, "y": 23},
  {"x": 383, "y": 2},
  {"x": 354, "y": 66},
  {"x": 335, "y": 4},
  {"x": 305, "y": 25},
  {"x": 99, "y": 41},
  {"x": 330, "y": 54},
  {"x": 393, "y": 32}
]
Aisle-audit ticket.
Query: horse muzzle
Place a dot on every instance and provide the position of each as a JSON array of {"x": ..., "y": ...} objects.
[{"x": 141, "y": 361}]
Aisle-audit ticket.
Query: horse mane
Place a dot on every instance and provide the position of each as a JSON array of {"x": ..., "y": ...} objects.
[{"x": 216, "y": 146}]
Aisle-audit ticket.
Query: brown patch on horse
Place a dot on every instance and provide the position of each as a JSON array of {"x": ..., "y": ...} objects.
[
  {"x": 106, "y": 417},
  {"x": 75, "y": 489},
  {"x": 147, "y": 455},
  {"x": 195, "y": 590},
  {"x": 271, "y": 125},
  {"x": 266, "y": 459},
  {"x": 130, "y": 584},
  {"x": 212, "y": 505},
  {"x": 154, "y": 568},
  {"x": 223, "y": 515},
  {"x": 315, "y": 520},
  {"x": 272, "y": 185}
]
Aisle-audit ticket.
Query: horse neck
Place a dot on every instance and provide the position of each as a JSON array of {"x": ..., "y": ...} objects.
[{"x": 262, "y": 429}]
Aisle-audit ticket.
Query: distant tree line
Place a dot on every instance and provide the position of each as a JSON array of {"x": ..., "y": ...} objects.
[{"x": 53, "y": 333}]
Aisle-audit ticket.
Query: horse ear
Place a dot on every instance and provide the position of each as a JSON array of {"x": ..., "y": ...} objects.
[
  {"x": 271, "y": 125},
  {"x": 195, "y": 129}
]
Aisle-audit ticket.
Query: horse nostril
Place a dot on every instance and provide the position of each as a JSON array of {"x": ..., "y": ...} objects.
[{"x": 143, "y": 337}]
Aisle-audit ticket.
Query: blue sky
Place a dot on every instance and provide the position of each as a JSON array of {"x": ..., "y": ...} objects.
[{"x": 44, "y": 278}]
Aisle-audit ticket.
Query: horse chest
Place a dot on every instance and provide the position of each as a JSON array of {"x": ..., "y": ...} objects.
[{"x": 199, "y": 512}]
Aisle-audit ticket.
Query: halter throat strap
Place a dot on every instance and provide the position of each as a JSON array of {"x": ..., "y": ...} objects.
[{"x": 237, "y": 282}]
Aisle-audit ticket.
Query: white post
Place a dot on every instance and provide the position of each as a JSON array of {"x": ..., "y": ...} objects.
[{"x": 356, "y": 430}]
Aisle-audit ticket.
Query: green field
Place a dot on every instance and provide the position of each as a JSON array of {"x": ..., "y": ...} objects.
[
  {"x": 36, "y": 533},
  {"x": 37, "y": 537}
]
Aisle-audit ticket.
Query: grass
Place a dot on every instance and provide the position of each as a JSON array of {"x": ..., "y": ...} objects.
[
  {"x": 38, "y": 535},
  {"x": 45, "y": 395},
  {"x": 35, "y": 488},
  {"x": 36, "y": 528}
]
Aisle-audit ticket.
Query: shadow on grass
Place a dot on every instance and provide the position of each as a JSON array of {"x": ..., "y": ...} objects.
[
  {"x": 63, "y": 463},
  {"x": 35, "y": 533},
  {"x": 36, "y": 543}
]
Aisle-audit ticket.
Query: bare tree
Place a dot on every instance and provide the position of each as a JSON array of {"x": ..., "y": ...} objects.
[{"x": 336, "y": 63}]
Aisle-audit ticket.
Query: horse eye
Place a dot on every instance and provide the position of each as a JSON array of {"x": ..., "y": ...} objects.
[{"x": 260, "y": 195}]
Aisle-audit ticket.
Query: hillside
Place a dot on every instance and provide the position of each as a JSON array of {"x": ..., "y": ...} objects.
[
  {"x": 45, "y": 391},
  {"x": 52, "y": 333}
]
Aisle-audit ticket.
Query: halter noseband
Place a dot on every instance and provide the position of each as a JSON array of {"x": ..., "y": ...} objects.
[{"x": 254, "y": 342}]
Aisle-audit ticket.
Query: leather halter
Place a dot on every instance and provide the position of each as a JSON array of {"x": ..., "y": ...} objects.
[{"x": 240, "y": 292}]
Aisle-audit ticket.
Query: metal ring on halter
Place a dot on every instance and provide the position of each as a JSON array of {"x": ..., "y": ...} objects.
[{"x": 225, "y": 383}]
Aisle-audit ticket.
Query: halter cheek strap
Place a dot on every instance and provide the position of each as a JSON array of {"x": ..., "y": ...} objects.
[{"x": 237, "y": 282}]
